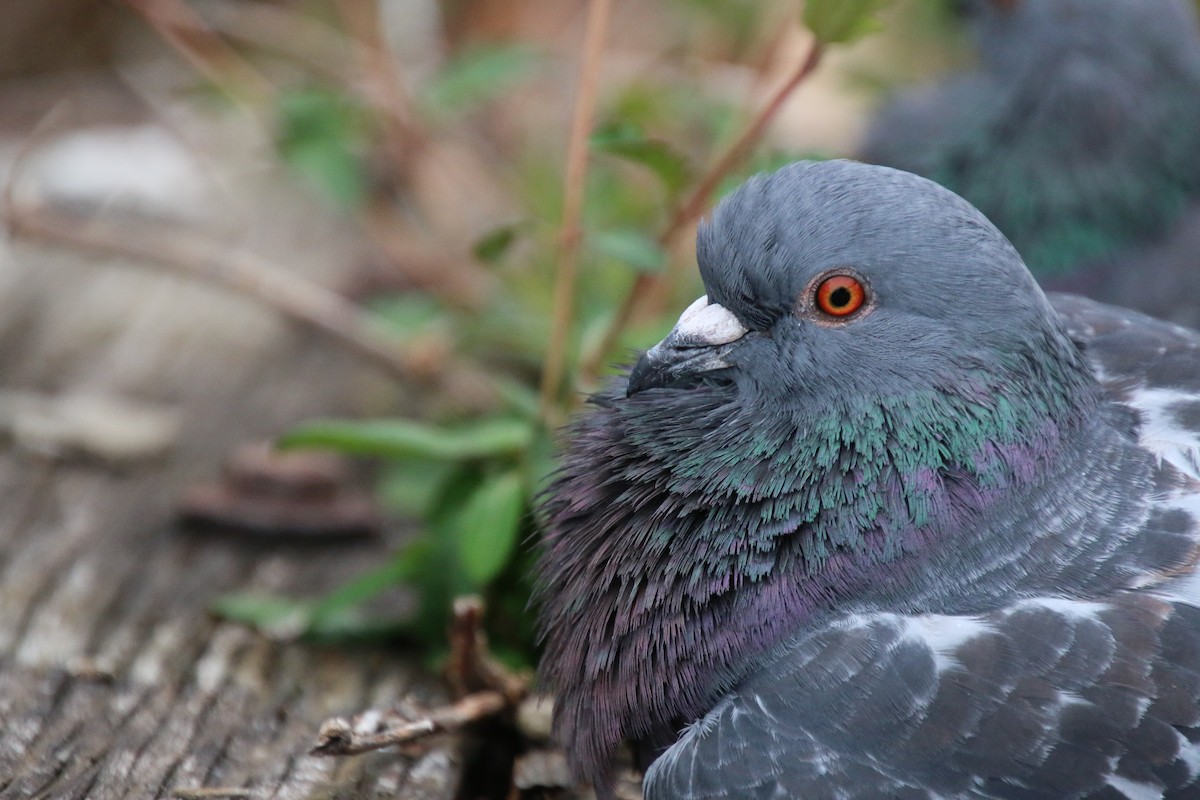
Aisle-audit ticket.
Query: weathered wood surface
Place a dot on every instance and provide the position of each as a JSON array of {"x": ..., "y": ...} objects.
[{"x": 114, "y": 680}]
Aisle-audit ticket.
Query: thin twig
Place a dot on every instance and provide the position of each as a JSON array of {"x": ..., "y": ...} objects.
[
  {"x": 189, "y": 252},
  {"x": 455, "y": 281},
  {"x": 471, "y": 667},
  {"x": 409, "y": 147},
  {"x": 326, "y": 50},
  {"x": 285, "y": 32},
  {"x": 691, "y": 209},
  {"x": 207, "y": 52},
  {"x": 484, "y": 687},
  {"x": 694, "y": 206},
  {"x": 570, "y": 235},
  {"x": 385, "y": 85},
  {"x": 37, "y": 136},
  {"x": 411, "y": 150},
  {"x": 338, "y": 736}
]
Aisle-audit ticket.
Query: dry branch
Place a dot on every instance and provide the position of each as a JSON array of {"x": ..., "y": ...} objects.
[
  {"x": 340, "y": 737},
  {"x": 471, "y": 667},
  {"x": 281, "y": 30},
  {"x": 484, "y": 687},
  {"x": 385, "y": 89},
  {"x": 205, "y": 49},
  {"x": 193, "y": 254}
]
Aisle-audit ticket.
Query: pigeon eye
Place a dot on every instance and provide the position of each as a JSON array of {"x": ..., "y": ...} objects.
[{"x": 840, "y": 295}]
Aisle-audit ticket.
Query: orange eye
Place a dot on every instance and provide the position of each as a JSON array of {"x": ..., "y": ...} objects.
[{"x": 840, "y": 295}]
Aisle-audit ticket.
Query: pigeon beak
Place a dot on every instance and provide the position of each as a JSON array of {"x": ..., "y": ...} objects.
[{"x": 700, "y": 342}]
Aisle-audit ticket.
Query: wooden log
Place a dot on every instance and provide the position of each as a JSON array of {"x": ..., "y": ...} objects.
[{"x": 115, "y": 682}]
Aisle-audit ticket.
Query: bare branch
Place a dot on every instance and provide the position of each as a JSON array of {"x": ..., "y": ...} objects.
[
  {"x": 699, "y": 199},
  {"x": 385, "y": 85},
  {"x": 283, "y": 31},
  {"x": 340, "y": 737},
  {"x": 203, "y": 48},
  {"x": 485, "y": 689},
  {"x": 471, "y": 667},
  {"x": 191, "y": 253}
]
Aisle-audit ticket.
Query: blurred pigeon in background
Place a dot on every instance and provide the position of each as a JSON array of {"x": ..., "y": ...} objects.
[
  {"x": 1078, "y": 135},
  {"x": 879, "y": 520}
]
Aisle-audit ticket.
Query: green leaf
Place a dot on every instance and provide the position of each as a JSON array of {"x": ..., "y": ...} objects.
[
  {"x": 401, "y": 438},
  {"x": 404, "y": 567},
  {"x": 627, "y": 142},
  {"x": 488, "y": 527},
  {"x": 277, "y": 616},
  {"x": 287, "y": 619},
  {"x": 410, "y": 487},
  {"x": 841, "y": 21},
  {"x": 494, "y": 244},
  {"x": 478, "y": 74},
  {"x": 520, "y": 398},
  {"x": 331, "y": 169},
  {"x": 443, "y": 577},
  {"x": 321, "y": 136},
  {"x": 630, "y": 246},
  {"x": 409, "y": 313}
]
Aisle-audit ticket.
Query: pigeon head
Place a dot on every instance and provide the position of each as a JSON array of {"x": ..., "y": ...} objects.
[
  {"x": 872, "y": 372},
  {"x": 834, "y": 280}
]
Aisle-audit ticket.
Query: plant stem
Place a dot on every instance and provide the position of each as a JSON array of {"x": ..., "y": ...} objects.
[
  {"x": 192, "y": 253},
  {"x": 698, "y": 200},
  {"x": 205, "y": 50},
  {"x": 571, "y": 232},
  {"x": 284, "y": 32},
  {"x": 691, "y": 209},
  {"x": 386, "y": 90}
]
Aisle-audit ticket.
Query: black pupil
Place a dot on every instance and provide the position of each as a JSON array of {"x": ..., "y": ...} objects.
[{"x": 839, "y": 297}]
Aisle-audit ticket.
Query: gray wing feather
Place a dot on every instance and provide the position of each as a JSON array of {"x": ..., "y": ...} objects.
[
  {"x": 1049, "y": 698},
  {"x": 1130, "y": 350}
]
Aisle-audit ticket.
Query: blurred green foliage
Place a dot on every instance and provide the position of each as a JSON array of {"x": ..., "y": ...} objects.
[
  {"x": 479, "y": 74},
  {"x": 626, "y": 140},
  {"x": 841, "y": 21},
  {"x": 472, "y": 482},
  {"x": 323, "y": 135}
]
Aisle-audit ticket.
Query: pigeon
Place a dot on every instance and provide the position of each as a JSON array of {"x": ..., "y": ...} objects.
[
  {"x": 1078, "y": 135},
  {"x": 881, "y": 519}
]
